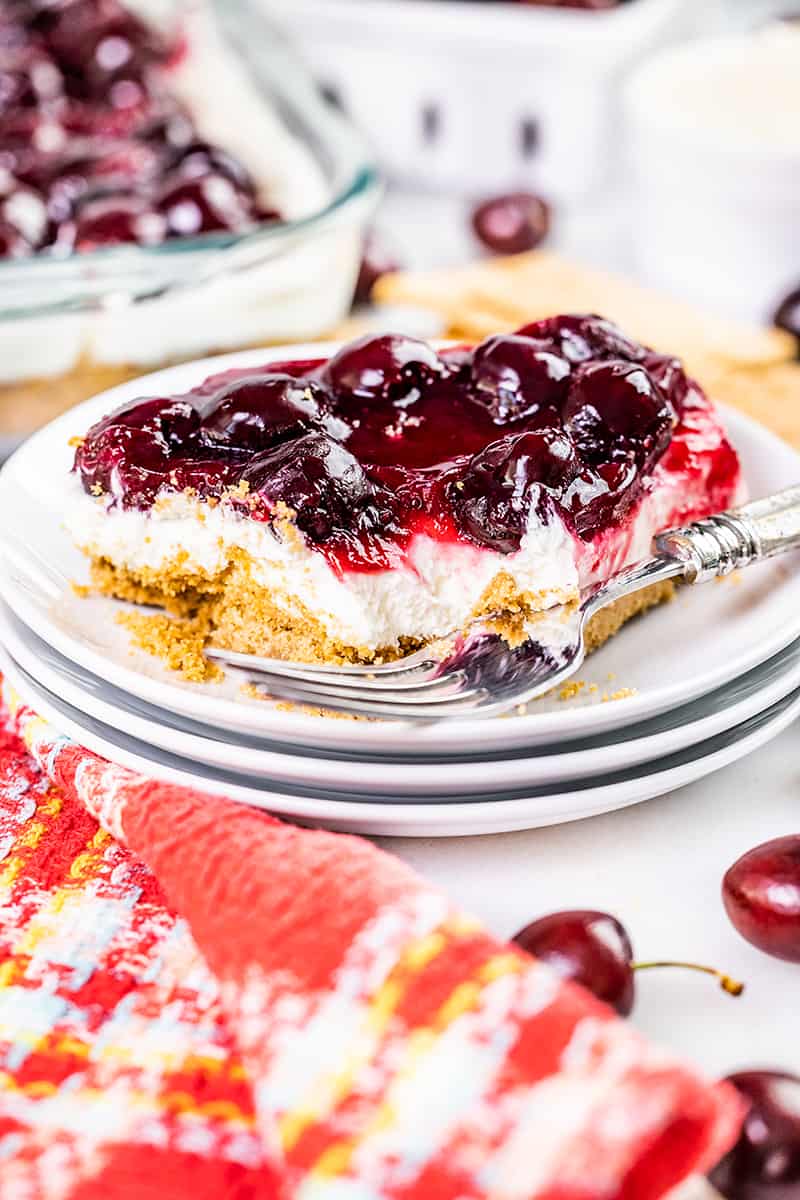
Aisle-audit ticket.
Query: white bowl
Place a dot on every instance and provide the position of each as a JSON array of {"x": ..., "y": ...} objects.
[
  {"x": 714, "y": 140},
  {"x": 480, "y": 97}
]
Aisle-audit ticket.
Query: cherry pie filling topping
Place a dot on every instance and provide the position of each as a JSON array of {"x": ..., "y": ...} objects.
[
  {"x": 94, "y": 150},
  {"x": 567, "y": 418}
]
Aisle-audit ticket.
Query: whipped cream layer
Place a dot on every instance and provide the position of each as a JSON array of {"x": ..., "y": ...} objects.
[
  {"x": 434, "y": 592},
  {"x": 299, "y": 293}
]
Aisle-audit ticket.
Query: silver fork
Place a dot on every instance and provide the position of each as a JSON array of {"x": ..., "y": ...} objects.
[{"x": 478, "y": 673}]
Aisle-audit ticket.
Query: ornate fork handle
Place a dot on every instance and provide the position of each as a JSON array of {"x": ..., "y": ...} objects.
[{"x": 718, "y": 545}]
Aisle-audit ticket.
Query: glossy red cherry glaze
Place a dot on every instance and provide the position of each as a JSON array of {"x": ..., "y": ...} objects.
[
  {"x": 93, "y": 149},
  {"x": 389, "y": 439}
]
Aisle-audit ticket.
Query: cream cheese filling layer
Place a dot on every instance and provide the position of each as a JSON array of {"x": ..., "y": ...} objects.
[{"x": 434, "y": 592}]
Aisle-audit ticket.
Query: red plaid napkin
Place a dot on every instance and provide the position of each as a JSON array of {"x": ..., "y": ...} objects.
[{"x": 263, "y": 1011}]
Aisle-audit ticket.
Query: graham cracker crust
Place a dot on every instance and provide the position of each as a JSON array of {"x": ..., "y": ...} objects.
[
  {"x": 609, "y": 621},
  {"x": 228, "y": 608},
  {"x": 233, "y": 612}
]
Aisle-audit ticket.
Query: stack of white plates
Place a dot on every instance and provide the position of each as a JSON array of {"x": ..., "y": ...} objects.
[{"x": 676, "y": 695}]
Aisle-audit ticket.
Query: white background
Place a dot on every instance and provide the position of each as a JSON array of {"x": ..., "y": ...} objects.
[{"x": 658, "y": 867}]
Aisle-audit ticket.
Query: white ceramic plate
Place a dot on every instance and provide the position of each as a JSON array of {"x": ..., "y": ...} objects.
[
  {"x": 697, "y": 721},
  {"x": 709, "y": 636},
  {"x": 501, "y": 813}
]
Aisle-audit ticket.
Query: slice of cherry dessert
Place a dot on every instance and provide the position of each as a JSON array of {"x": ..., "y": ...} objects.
[{"x": 353, "y": 507}]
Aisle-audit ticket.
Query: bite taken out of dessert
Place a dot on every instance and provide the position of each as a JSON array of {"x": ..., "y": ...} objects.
[{"x": 355, "y": 507}]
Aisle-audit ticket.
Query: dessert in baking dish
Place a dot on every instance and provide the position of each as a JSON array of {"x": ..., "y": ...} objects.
[
  {"x": 99, "y": 141},
  {"x": 350, "y": 508},
  {"x": 135, "y": 158}
]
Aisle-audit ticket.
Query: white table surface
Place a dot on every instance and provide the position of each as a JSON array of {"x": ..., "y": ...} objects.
[{"x": 658, "y": 866}]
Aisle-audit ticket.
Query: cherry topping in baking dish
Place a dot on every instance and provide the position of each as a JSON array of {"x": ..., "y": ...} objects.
[
  {"x": 88, "y": 128},
  {"x": 389, "y": 438}
]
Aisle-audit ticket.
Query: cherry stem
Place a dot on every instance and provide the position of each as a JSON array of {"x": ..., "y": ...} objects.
[{"x": 732, "y": 986}]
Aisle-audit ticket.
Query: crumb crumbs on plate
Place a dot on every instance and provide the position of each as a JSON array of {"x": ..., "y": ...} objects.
[
  {"x": 254, "y": 692},
  {"x": 179, "y": 642}
]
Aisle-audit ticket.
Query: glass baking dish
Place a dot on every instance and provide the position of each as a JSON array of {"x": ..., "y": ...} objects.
[{"x": 71, "y": 326}]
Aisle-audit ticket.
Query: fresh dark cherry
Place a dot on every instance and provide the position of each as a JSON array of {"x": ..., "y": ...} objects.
[
  {"x": 761, "y": 894},
  {"x": 765, "y": 1162},
  {"x": 615, "y": 410},
  {"x": 390, "y": 367},
  {"x": 787, "y": 315},
  {"x": 590, "y": 948},
  {"x": 257, "y": 411},
  {"x": 515, "y": 377},
  {"x": 493, "y": 496},
  {"x": 593, "y": 949},
  {"x": 512, "y": 224}
]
